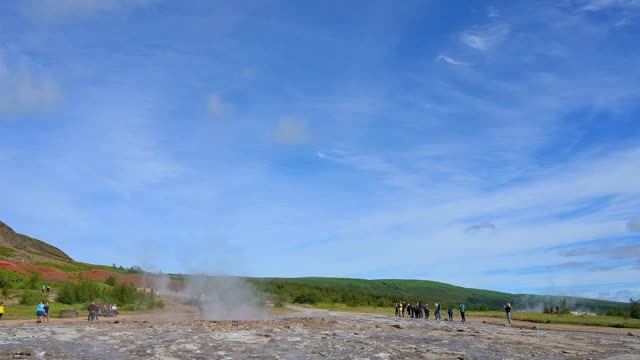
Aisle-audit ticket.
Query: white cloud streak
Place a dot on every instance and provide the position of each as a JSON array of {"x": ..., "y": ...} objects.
[
  {"x": 487, "y": 36},
  {"x": 451, "y": 60}
]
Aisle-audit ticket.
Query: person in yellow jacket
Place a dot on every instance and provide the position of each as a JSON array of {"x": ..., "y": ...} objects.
[{"x": 1, "y": 309}]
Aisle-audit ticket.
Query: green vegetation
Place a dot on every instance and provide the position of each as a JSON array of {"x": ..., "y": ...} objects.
[
  {"x": 6, "y": 252},
  {"x": 111, "y": 280},
  {"x": 592, "y": 320},
  {"x": 561, "y": 308},
  {"x": 384, "y": 293},
  {"x": 635, "y": 308},
  {"x": 32, "y": 297},
  {"x": 72, "y": 266},
  {"x": 125, "y": 295}
]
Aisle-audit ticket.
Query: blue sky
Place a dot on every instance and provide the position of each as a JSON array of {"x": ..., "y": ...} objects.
[{"x": 484, "y": 144}]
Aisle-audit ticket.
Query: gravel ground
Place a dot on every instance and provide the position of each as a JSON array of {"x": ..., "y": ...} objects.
[{"x": 310, "y": 334}]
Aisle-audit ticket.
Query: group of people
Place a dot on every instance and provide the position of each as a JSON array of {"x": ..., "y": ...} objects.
[
  {"x": 47, "y": 288},
  {"x": 422, "y": 310},
  {"x": 96, "y": 310},
  {"x": 42, "y": 312}
]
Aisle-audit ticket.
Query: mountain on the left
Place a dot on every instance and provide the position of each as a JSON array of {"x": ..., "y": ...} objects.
[{"x": 20, "y": 248}]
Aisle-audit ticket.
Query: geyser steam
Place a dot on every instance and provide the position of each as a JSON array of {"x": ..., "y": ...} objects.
[{"x": 225, "y": 298}]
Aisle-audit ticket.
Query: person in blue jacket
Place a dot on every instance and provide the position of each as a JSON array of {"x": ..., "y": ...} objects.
[
  {"x": 450, "y": 312},
  {"x": 462, "y": 310},
  {"x": 40, "y": 312}
]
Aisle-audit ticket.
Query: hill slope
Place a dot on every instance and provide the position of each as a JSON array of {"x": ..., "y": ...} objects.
[
  {"x": 21, "y": 248},
  {"x": 385, "y": 292}
]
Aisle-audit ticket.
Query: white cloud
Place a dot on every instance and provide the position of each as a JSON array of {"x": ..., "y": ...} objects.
[
  {"x": 598, "y": 5},
  {"x": 22, "y": 91},
  {"x": 66, "y": 8},
  {"x": 292, "y": 131},
  {"x": 218, "y": 108},
  {"x": 492, "y": 12},
  {"x": 450, "y": 60},
  {"x": 487, "y": 36}
]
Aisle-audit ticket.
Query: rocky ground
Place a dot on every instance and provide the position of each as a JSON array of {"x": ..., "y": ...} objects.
[{"x": 309, "y": 334}]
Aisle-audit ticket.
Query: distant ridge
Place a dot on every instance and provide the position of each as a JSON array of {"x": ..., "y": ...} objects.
[{"x": 14, "y": 246}]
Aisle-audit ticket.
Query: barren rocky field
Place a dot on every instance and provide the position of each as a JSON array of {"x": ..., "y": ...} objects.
[{"x": 309, "y": 334}]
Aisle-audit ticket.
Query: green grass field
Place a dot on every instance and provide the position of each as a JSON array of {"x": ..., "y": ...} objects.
[
  {"x": 535, "y": 317},
  {"x": 592, "y": 320}
]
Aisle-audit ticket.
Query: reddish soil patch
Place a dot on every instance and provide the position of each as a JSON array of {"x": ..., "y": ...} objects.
[
  {"x": 57, "y": 275},
  {"x": 6, "y": 265}
]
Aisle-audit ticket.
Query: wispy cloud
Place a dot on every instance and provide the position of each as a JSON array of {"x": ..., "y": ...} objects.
[
  {"x": 67, "y": 8},
  {"x": 292, "y": 130},
  {"x": 451, "y": 60},
  {"x": 487, "y": 36},
  {"x": 598, "y": 5},
  {"x": 486, "y": 226},
  {"x": 634, "y": 224},
  {"x": 217, "y": 108},
  {"x": 22, "y": 90}
]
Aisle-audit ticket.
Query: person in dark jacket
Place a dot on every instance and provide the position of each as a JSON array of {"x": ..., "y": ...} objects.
[
  {"x": 507, "y": 309},
  {"x": 450, "y": 312},
  {"x": 91, "y": 308}
]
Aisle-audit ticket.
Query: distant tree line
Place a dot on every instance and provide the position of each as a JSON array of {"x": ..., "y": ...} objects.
[
  {"x": 135, "y": 269},
  {"x": 311, "y": 294},
  {"x": 561, "y": 308},
  {"x": 633, "y": 312}
]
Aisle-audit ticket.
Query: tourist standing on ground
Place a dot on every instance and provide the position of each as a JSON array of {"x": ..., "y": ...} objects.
[
  {"x": 91, "y": 308},
  {"x": 46, "y": 312},
  {"x": 462, "y": 310},
  {"x": 397, "y": 308},
  {"x": 507, "y": 309},
  {"x": 450, "y": 312},
  {"x": 426, "y": 310},
  {"x": 96, "y": 311},
  {"x": 1, "y": 309},
  {"x": 403, "y": 308},
  {"x": 40, "y": 312}
]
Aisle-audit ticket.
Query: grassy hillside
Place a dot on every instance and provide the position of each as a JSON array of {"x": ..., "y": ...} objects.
[{"x": 387, "y": 291}]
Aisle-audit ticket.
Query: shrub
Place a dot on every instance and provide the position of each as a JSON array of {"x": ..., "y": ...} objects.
[
  {"x": 111, "y": 280},
  {"x": 83, "y": 291},
  {"x": 306, "y": 298},
  {"x": 33, "y": 280},
  {"x": 617, "y": 312},
  {"x": 635, "y": 308},
  {"x": 123, "y": 294},
  {"x": 30, "y": 297}
]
